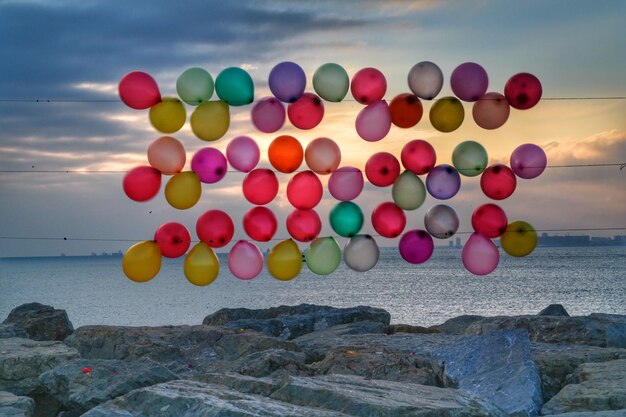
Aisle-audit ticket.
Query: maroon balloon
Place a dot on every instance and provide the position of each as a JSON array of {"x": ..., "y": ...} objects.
[
  {"x": 489, "y": 220},
  {"x": 138, "y": 90},
  {"x": 523, "y": 91},
  {"x": 268, "y": 115},
  {"x": 304, "y": 225},
  {"x": 388, "y": 220},
  {"x": 528, "y": 161},
  {"x": 260, "y": 186},
  {"x": 173, "y": 239},
  {"x": 418, "y": 156},
  {"x": 498, "y": 182},
  {"x": 382, "y": 169},
  {"x": 260, "y": 224},
  {"x": 215, "y": 228},
  {"x": 368, "y": 85},
  {"x": 307, "y": 112},
  {"x": 142, "y": 183},
  {"x": 416, "y": 246},
  {"x": 304, "y": 190}
]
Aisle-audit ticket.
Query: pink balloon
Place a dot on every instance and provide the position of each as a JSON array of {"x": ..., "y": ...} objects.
[
  {"x": 142, "y": 183},
  {"x": 245, "y": 260},
  {"x": 418, "y": 156},
  {"x": 243, "y": 153},
  {"x": 260, "y": 186},
  {"x": 209, "y": 164},
  {"x": 346, "y": 183},
  {"x": 307, "y": 112},
  {"x": 304, "y": 225},
  {"x": 498, "y": 182},
  {"x": 489, "y": 220},
  {"x": 528, "y": 161},
  {"x": 523, "y": 91},
  {"x": 215, "y": 228},
  {"x": 368, "y": 85},
  {"x": 491, "y": 111},
  {"x": 167, "y": 155},
  {"x": 382, "y": 169},
  {"x": 388, "y": 220},
  {"x": 416, "y": 246},
  {"x": 268, "y": 115},
  {"x": 469, "y": 81},
  {"x": 173, "y": 239},
  {"x": 260, "y": 224},
  {"x": 322, "y": 155},
  {"x": 138, "y": 90},
  {"x": 480, "y": 255},
  {"x": 374, "y": 121},
  {"x": 304, "y": 190}
]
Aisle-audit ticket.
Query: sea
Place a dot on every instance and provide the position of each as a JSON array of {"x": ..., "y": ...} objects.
[{"x": 94, "y": 290}]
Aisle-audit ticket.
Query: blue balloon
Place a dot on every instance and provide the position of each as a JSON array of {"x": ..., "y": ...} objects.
[
  {"x": 443, "y": 182},
  {"x": 287, "y": 81}
]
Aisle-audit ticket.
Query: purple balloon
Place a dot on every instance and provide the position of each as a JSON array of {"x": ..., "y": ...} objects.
[
  {"x": 374, "y": 121},
  {"x": 268, "y": 115},
  {"x": 209, "y": 164},
  {"x": 528, "y": 161},
  {"x": 480, "y": 255},
  {"x": 443, "y": 182},
  {"x": 416, "y": 246},
  {"x": 243, "y": 153},
  {"x": 287, "y": 81},
  {"x": 469, "y": 81},
  {"x": 346, "y": 183}
]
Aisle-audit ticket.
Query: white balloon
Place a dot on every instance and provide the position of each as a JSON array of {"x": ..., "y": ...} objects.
[{"x": 361, "y": 253}]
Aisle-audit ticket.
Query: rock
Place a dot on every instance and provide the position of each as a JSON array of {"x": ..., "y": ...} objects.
[
  {"x": 271, "y": 362},
  {"x": 497, "y": 367},
  {"x": 554, "y": 310},
  {"x": 596, "y": 387},
  {"x": 11, "y": 330},
  {"x": 13, "y": 406},
  {"x": 457, "y": 325},
  {"x": 611, "y": 413},
  {"x": 407, "y": 328},
  {"x": 41, "y": 322}
]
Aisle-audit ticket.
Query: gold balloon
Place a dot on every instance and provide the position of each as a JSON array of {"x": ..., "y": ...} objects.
[
  {"x": 142, "y": 261},
  {"x": 168, "y": 116},
  {"x": 183, "y": 190},
  {"x": 519, "y": 239},
  {"x": 201, "y": 265},
  {"x": 447, "y": 114},
  {"x": 284, "y": 261},
  {"x": 210, "y": 120}
]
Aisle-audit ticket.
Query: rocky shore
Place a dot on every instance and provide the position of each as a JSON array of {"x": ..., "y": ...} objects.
[{"x": 310, "y": 360}]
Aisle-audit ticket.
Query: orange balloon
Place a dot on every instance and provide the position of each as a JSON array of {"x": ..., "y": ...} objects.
[
  {"x": 167, "y": 155},
  {"x": 285, "y": 153},
  {"x": 406, "y": 110}
]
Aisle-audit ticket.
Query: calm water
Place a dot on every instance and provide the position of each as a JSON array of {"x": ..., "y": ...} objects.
[{"x": 94, "y": 290}]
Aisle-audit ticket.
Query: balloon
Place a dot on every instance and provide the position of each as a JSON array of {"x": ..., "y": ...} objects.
[
  {"x": 142, "y": 261},
  {"x": 268, "y": 115},
  {"x": 167, "y": 155},
  {"x": 142, "y": 183},
  {"x": 183, "y": 190},
  {"x": 441, "y": 221},
  {"x": 210, "y": 120},
  {"x": 138, "y": 90},
  {"x": 498, "y": 182},
  {"x": 408, "y": 191},
  {"x": 406, "y": 110},
  {"x": 260, "y": 223},
  {"x": 469, "y": 81},
  {"x": 209, "y": 164},
  {"x": 443, "y": 182},
  {"x": 304, "y": 225},
  {"x": 304, "y": 190},
  {"x": 284, "y": 261},
  {"x": 447, "y": 114},
  {"x": 425, "y": 80},
  {"x": 287, "y": 81},
  {"x": 523, "y": 91},
  {"x": 491, "y": 111},
  {"x": 388, "y": 220},
  {"x": 489, "y": 220},
  {"x": 235, "y": 87},
  {"x": 361, "y": 253},
  {"x": 215, "y": 228},
  {"x": 173, "y": 239},
  {"x": 245, "y": 260},
  {"x": 346, "y": 219},
  {"x": 331, "y": 82},
  {"x": 322, "y": 155},
  {"x": 307, "y": 112},
  {"x": 323, "y": 256},
  {"x": 470, "y": 158},
  {"x": 480, "y": 255},
  {"x": 382, "y": 169},
  {"x": 416, "y": 246},
  {"x": 194, "y": 86},
  {"x": 374, "y": 121},
  {"x": 368, "y": 85},
  {"x": 346, "y": 183},
  {"x": 528, "y": 161},
  {"x": 418, "y": 156},
  {"x": 285, "y": 153},
  {"x": 168, "y": 116},
  {"x": 201, "y": 265},
  {"x": 243, "y": 153},
  {"x": 260, "y": 186},
  {"x": 519, "y": 239}
]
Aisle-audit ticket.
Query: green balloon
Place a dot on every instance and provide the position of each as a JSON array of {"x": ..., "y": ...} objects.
[
  {"x": 235, "y": 86},
  {"x": 470, "y": 158},
  {"x": 194, "y": 86},
  {"x": 408, "y": 191},
  {"x": 331, "y": 82},
  {"x": 323, "y": 256},
  {"x": 346, "y": 219}
]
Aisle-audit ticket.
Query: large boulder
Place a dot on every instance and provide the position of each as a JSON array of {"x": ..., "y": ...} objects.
[
  {"x": 554, "y": 310},
  {"x": 11, "y": 330},
  {"x": 12, "y": 405},
  {"x": 41, "y": 322},
  {"x": 608, "y": 413},
  {"x": 457, "y": 325},
  {"x": 272, "y": 362}
]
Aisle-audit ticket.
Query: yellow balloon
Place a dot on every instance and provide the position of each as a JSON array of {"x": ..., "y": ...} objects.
[
  {"x": 210, "y": 120},
  {"x": 447, "y": 114},
  {"x": 201, "y": 265},
  {"x": 284, "y": 261},
  {"x": 142, "y": 261},
  {"x": 168, "y": 116},
  {"x": 183, "y": 190},
  {"x": 519, "y": 239}
]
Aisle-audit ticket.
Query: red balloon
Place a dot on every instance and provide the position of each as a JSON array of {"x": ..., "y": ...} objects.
[
  {"x": 260, "y": 186},
  {"x": 304, "y": 225},
  {"x": 260, "y": 224},
  {"x": 368, "y": 85},
  {"x": 138, "y": 90},
  {"x": 388, "y": 220},
  {"x": 418, "y": 156},
  {"x": 307, "y": 112},
  {"x": 498, "y": 182},
  {"x": 489, "y": 220},
  {"x": 304, "y": 190},
  {"x": 523, "y": 91},
  {"x": 406, "y": 110},
  {"x": 142, "y": 183},
  {"x": 215, "y": 228},
  {"x": 173, "y": 239},
  {"x": 382, "y": 169}
]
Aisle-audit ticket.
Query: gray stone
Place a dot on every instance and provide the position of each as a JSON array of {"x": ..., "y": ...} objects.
[
  {"x": 407, "y": 328},
  {"x": 13, "y": 406},
  {"x": 11, "y": 330},
  {"x": 271, "y": 362},
  {"x": 41, "y": 322},
  {"x": 554, "y": 310},
  {"x": 610, "y": 413},
  {"x": 457, "y": 325}
]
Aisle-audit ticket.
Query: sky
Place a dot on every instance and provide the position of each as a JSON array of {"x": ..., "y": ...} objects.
[{"x": 79, "y": 50}]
